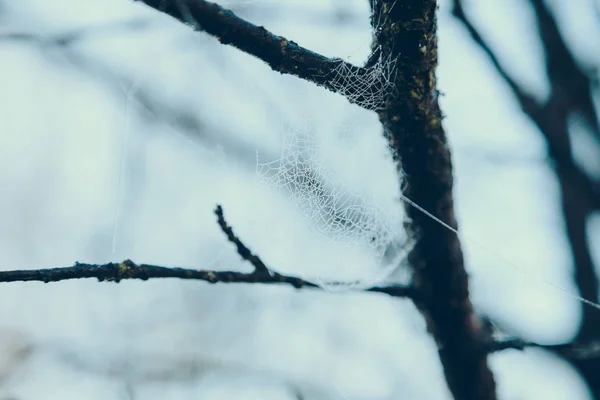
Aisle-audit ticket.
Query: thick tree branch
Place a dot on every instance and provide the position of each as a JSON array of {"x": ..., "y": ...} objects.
[
  {"x": 282, "y": 55},
  {"x": 412, "y": 122}
]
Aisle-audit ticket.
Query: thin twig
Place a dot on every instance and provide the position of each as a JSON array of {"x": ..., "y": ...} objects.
[
  {"x": 127, "y": 269},
  {"x": 569, "y": 351},
  {"x": 243, "y": 251}
]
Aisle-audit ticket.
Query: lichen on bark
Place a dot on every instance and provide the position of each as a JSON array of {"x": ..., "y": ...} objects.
[{"x": 411, "y": 119}]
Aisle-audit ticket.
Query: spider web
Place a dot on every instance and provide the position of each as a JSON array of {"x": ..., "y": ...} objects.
[
  {"x": 333, "y": 211},
  {"x": 369, "y": 88}
]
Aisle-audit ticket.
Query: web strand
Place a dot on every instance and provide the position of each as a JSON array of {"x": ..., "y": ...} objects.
[
  {"x": 333, "y": 211},
  {"x": 506, "y": 261}
]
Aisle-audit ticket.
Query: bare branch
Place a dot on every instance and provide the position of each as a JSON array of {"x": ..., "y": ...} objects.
[
  {"x": 282, "y": 55},
  {"x": 527, "y": 102},
  {"x": 563, "y": 71},
  {"x": 413, "y": 125},
  {"x": 72, "y": 36},
  {"x": 570, "y": 351},
  {"x": 129, "y": 270},
  {"x": 546, "y": 117},
  {"x": 580, "y": 193},
  {"x": 243, "y": 251}
]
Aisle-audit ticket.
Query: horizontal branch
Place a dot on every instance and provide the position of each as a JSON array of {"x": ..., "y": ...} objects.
[
  {"x": 569, "y": 351},
  {"x": 130, "y": 270},
  {"x": 281, "y": 54},
  {"x": 71, "y": 36},
  {"x": 127, "y": 269}
]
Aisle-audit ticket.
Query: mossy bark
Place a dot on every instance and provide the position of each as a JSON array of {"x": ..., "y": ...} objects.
[{"x": 412, "y": 123}]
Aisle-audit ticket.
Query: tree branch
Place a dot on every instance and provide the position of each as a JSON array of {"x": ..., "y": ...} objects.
[
  {"x": 412, "y": 123},
  {"x": 129, "y": 270},
  {"x": 564, "y": 73},
  {"x": 282, "y": 55},
  {"x": 580, "y": 194},
  {"x": 571, "y": 351},
  {"x": 243, "y": 251},
  {"x": 544, "y": 116}
]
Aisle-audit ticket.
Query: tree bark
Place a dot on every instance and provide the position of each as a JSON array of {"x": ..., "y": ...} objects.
[{"x": 412, "y": 123}]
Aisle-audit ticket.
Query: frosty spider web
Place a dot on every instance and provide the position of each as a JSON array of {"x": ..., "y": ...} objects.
[
  {"x": 333, "y": 211},
  {"x": 369, "y": 88}
]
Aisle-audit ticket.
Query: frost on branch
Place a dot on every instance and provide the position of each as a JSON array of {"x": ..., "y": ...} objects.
[{"x": 333, "y": 211}]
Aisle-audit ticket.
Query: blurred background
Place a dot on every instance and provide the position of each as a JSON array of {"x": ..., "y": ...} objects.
[{"x": 121, "y": 129}]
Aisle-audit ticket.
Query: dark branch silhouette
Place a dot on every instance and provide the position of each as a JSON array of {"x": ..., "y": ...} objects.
[
  {"x": 571, "y": 93},
  {"x": 412, "y": 123},
  {"x": 577, "y": 351},
  {"x": 243, "y": 251},
  {"x": 127, "y": 269},
  {"x": 281, "y": 54},
  {"x": 564, "y": 73}
]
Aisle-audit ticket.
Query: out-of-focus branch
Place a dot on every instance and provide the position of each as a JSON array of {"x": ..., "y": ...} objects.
[
  {"x": 544, "y": 116},
  {"x": 185, "y": 121},
  {"x": 75, "y": 35},
  {"x": 564, "y": 73},
  {"x": 580, "y": 193},
  {"x": 527, "y": 102},
  {"x": 572, "y": 91},
  {"x": 303, "y": 13},
  {"x": 570, "y": 351}
]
